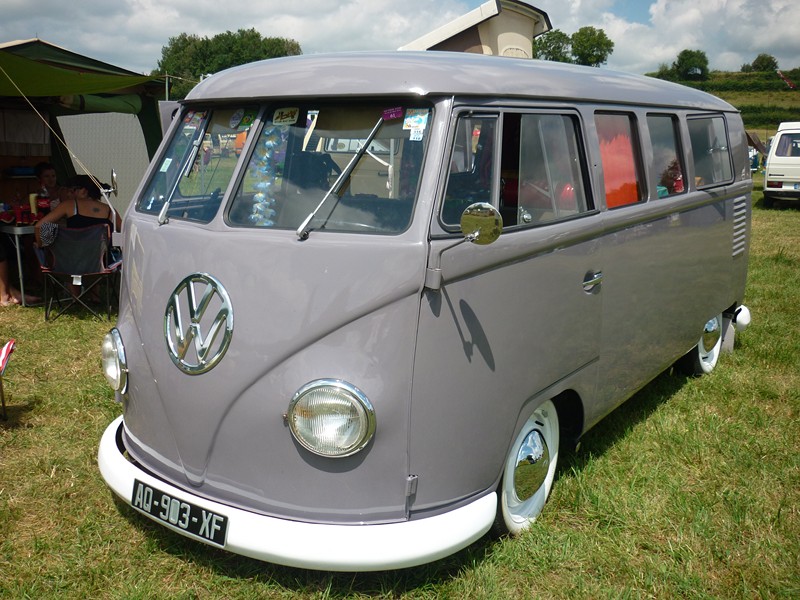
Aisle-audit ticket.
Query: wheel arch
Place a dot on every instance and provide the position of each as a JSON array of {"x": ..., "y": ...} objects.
[{"x": 570, "y": 417}]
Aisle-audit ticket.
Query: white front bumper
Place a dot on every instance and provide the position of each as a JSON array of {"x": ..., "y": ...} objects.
[{"x": 314, "y": 545}]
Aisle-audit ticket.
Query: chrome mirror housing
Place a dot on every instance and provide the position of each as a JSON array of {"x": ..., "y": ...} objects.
[{"x": 481, "y": 223}]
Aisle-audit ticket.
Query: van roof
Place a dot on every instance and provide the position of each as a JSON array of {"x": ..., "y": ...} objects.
[
  {"x": 443, "y": 73},
  {"x": 789, "y": 125}
]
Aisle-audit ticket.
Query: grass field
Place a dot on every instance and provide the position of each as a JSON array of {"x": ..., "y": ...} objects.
[{"x": 691, "y": 489}]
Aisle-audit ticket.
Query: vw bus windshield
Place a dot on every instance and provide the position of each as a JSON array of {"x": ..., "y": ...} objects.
[
  {"x": 317, "y": 166},
  {"x": 198, "y": 164}
]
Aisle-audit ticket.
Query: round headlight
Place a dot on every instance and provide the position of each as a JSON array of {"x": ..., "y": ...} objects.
[
  {"x": 115, "y": 367},
  {"x": 331, "y": 418}
]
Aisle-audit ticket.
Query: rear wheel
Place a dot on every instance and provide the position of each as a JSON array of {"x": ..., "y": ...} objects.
[
  {"x": 529, "y": 471},
  {"x": 702, "y": 359}
]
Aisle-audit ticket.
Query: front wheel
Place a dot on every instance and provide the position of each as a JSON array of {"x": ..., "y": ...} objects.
[
  {"x": 529, "y": 471},
  {"x": 702, "y": 359}
]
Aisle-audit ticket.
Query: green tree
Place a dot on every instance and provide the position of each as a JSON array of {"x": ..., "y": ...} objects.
[
  {"x": 554, "y": 45},
  {"x": 591, "y": 46},
  {"x": 188, "y": 58},
  {"x": 765, "y": 62},
  {"x": 691, "y": 65},
  {"x": 665, "y": 72}
]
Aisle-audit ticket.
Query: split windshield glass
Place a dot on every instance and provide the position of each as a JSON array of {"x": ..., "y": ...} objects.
[{"x": 300, "y": 154}]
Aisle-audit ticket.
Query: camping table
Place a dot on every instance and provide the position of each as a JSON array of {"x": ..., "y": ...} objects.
[{"x": 15, "y": 233}]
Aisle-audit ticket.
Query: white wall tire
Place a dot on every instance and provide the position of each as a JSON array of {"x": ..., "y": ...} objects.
[{"x": 529, "y": 471}]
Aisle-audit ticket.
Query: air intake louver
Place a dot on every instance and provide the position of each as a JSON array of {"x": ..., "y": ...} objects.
[{"x": 739, "y": 226}]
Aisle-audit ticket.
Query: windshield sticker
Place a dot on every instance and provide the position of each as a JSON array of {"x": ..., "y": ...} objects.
[
  {"x": 393, "y": 113},
  {"x": 416, "y": 118},
  {"x": 194, "y": 118},
  {"x": 416, "y": 121},
  {"x": 236, "y": 118},
  {"x": 165, "y": 165},
  {"x": 247, "y": 120},
  {"x": 286, "y": 116}
]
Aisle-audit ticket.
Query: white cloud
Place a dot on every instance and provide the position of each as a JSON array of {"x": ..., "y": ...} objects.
[
  {"x": 131, "y": 33},
  {"x": 730, "y": 32}
]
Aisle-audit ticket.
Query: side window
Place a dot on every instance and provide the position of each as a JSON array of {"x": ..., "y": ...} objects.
[
  {"x": 619, "y": 153},
  {"x": 712, "y": 159},
  {"x": 542, "y": 169},
  {"x": 471, "y": 166},
  {"x": 667, "y": 161}
]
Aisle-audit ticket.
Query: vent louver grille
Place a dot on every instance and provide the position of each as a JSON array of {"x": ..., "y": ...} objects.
[{"x": 739, "y": 226}]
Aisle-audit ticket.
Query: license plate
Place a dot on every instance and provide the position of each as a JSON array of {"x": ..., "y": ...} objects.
[{"x": 204, "y": 524}]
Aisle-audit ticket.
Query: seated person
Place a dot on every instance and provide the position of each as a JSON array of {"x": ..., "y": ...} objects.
[
  {"x": 9, "y": 294},
  {"x": 83, "y": 210},
  {"x": 46, "y": 175}
]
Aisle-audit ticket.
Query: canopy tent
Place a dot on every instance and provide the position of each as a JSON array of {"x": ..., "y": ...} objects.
[{"x": 56, "y": 81}]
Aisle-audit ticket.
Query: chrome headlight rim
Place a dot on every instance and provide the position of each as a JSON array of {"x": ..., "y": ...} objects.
[
  {"x": 357, "y": 399},
  {"x": 114, "y": 349}
]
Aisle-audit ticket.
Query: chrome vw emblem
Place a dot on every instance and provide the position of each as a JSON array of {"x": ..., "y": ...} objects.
[{"x": 198, "y": 323}]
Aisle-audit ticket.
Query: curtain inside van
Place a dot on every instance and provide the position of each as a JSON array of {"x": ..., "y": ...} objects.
[{"x": 619, "y": 164}]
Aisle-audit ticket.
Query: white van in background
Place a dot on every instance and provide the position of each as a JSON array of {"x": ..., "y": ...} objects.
[{"x": 782, "y": 176}]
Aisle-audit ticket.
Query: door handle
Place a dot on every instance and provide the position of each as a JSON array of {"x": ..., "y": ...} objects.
[{"x": 591, "y": 280}]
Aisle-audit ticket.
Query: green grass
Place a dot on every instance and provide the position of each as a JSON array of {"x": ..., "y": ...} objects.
[
  {"x": 762, "y": 109},
  {"x": 691, "y": 489}
]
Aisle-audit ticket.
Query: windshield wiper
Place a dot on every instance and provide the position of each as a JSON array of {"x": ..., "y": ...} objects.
[
  {"x": 187, "y": 170},
  {"x": 302, "y": 231}
]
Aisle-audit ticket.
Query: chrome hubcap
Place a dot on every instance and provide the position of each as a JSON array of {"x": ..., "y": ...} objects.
[
  {"x": 711, "y": 335},
  {"x": 533, "y": 462}
]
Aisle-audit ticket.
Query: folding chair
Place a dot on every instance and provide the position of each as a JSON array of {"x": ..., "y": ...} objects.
[
  {"x": 5, "y": 355},
  {"x": 75, "y": 255}
]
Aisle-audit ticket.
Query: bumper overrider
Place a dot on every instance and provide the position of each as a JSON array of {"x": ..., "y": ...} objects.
[{"x": 293, "y": 543}]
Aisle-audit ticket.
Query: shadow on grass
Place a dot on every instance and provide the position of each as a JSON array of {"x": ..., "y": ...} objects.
[
  {"x": 15, "y": 412},
  {"x": 619, "y": 422},
  {"x": 780, "y": 204},
  {"x": 397, "y": 582}
]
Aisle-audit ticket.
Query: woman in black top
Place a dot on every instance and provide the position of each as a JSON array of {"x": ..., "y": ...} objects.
[{"x": 83, "y": 210}]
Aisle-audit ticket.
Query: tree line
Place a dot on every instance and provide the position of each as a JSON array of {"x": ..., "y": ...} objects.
[
  {"x": 187, "y": 58},
  {"x": 591, "y": 47}
]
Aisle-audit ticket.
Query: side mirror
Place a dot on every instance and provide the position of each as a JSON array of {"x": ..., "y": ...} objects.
[{"x": 481, "y": 223}]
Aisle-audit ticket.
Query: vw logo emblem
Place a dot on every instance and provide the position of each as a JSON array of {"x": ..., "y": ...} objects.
[{"x": 198, "y": 323}]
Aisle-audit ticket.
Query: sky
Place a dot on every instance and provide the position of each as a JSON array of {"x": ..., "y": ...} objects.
[{"x": 646, "y": 34}]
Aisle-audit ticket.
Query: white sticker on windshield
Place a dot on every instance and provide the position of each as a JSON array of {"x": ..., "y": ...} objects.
[
  {"x": 165, "y": 165},
  {"x": 236, "y": 118},
  {"x": 416, "y": 135},
  {"x": 286, "y": 116},
  {"x": 416, "y": 118}
]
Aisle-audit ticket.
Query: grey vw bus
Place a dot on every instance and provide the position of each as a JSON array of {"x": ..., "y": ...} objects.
[{"x": 366, "y": 297}]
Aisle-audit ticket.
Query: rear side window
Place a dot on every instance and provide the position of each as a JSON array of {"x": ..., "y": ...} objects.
[
  {"x": 619, "y": 152},
  {"x": 710, "y": 150},
  {"x": 667, "y": 161}
]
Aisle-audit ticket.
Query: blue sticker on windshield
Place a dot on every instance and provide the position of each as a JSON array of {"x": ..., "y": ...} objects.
[{"x": 416, "y": 121}]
